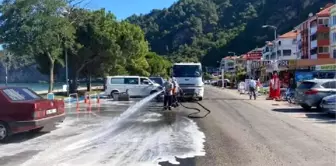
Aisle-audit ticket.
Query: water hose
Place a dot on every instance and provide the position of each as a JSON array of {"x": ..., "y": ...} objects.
[{"x": 192, "y": 115}]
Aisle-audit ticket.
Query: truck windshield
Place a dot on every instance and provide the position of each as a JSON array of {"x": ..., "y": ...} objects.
[
  {"x": 20, "y": 94},
  {"x": 187, "y": 71}
]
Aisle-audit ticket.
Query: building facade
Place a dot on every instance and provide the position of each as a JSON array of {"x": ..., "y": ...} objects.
[
  {"x": 319, "y": 34},
  {"x": 332, "y": 22},
  {"x": 287, "y": 46}
]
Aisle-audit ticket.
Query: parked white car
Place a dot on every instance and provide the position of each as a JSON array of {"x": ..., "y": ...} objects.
[
  {"x": 137, "y": 86},
  {"x": 328, "y": 104}
]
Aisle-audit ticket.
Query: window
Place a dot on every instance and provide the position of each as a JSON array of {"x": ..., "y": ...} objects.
[
  {"x": 323, "y": 36},
  {"x": 287, "y": 52},
  {"x": 313, "y": 51},
  {"x": 133, "y": 81},
  {"x": 334, "y": 53},
  {"x": 313, "y": 37},
  {"x": 187, "y": 71},
  {"x": 323, "y": 21},
  {"x": 334, "y": 37},
  {"x": 306, "y": 85},
  {"x": 20, "y": 94},
  {"x": 323, "y": 50},
  {"x": 117, "y": 81},
  {"x": 333, "y": 20},
  {"x": 144, "y": 81},
  {"x": 332, "y": 84}
]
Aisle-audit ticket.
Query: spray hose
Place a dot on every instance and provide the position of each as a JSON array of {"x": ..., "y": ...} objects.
[{"x": 193, "y": 115}]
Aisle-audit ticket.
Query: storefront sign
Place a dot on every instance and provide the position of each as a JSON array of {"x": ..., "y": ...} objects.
[{"x": 326, "y": 67}]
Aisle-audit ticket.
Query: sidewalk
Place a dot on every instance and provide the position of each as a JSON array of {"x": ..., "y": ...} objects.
[{"x": 261, "y": 100}]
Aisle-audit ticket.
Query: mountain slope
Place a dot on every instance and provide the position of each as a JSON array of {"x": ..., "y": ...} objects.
[{"x": 192, "y": 30}]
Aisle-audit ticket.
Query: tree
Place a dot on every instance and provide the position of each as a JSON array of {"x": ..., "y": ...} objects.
[
  {"x": 158, "y": 65},
  {"x": 36, "y": 28}
]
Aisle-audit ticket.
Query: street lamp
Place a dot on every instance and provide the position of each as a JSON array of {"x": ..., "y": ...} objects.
[
  {"x": 275, "y": 37},
  {"x": 235, "y": 65}
]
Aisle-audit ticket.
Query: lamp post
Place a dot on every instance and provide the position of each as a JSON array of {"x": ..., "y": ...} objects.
[
  {"x": 275, "y": 37},
  {"x": 6, "y": 68}
]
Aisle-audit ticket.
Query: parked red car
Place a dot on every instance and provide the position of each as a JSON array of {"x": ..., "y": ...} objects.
[{"x": 23, "y": 110}]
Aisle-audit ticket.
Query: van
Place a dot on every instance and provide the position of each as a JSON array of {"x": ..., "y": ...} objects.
[{"x": 136, "y": 86}]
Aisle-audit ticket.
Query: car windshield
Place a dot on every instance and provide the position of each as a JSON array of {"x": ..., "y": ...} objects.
[
  {"x": 20, "y": 94},
  {"x": 187, "y": 71},
  {"x": 157, "y": 80}
]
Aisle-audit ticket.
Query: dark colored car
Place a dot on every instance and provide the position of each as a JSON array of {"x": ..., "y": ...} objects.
[
  {"x": 160, "y": 81},
  {"x": 23, "y": 110}
]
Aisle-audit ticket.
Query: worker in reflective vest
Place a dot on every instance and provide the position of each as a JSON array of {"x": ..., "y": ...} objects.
[
  {"x": 168, "y": 94},
  {"x": 176, "y": 89}
]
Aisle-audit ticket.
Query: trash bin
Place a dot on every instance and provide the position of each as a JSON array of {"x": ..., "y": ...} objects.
[{"x": 50, "y": 96}]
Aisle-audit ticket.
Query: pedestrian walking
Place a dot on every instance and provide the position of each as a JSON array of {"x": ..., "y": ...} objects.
[
  {"x": 168, "y": 94},
  {"x": 252, "y": 88}
]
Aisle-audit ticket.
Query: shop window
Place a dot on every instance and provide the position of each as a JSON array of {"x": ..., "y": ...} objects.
[
  {"x": 323, "y": 49},
  {"x": 287, "y": 52}
]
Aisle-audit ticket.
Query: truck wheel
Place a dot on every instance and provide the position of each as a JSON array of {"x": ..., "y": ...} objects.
[
  {"x": 200, "y": 98},
  {"x": 4, "y": 132}
]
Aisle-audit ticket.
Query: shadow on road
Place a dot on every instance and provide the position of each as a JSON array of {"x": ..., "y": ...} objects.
[
  {"x": 321, "y": 117},
  {"x": 184, "y": 162}
]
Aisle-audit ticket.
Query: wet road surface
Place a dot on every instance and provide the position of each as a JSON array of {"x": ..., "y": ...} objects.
[{"x": 237, "y": 132}]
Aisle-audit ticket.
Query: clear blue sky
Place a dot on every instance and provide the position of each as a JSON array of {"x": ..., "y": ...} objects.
[{"x": 124, "y": 8}]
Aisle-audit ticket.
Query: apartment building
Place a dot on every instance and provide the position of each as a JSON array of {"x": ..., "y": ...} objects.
[
  {"x": 319, "y": 34},
  {"x": 332, "y": 22},
  {"x": 267, "y": 51},
  {"x": 303, "y": 38},
  {"x": 287, "y": 46}
]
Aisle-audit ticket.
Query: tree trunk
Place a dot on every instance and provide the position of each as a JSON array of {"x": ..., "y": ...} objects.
[
  {"x": 88, "y": 83},
  {"x": 51, "y": 77}
]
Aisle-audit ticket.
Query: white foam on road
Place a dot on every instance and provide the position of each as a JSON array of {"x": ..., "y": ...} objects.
[{"x": 134, "y": 138}]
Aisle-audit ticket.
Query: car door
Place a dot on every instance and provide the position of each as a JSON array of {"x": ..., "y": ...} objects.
[
  {"x": 332, "y": 85},
  {"x": 146, "y": 86},
  {"x": 132, "y": 85}
]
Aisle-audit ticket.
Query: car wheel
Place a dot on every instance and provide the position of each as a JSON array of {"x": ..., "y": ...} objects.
[
  {"x": 306, "y": 107},
  {"x": 200, "y": 98},
  {"x": 4, "y": 132},
  {"x": 318, "y": 107},
  {"x": 37, "y": 130}
]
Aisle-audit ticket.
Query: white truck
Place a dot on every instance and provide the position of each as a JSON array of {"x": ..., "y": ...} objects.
[{"x": 189, "y": 77}]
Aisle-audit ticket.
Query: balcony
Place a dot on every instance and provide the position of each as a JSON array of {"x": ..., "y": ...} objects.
[
  {"x": 313, "y": 30},
  {"x": 323, "y": 42},
  {"x": 313, "y": 44},
  {"x": 323, "y": 28}
]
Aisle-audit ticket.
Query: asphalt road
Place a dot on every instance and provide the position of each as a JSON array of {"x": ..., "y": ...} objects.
[
  {"x": 243, "y": 132},
  {"x": 238, "y": 132}
]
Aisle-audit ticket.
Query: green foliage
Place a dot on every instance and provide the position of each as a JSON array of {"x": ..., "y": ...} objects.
[
  {"x": 36, "y": 28},
  {"x": 206, "y": 30},
  {"x": 158, "y": 65},
  {"x": 207, "y": 76}
]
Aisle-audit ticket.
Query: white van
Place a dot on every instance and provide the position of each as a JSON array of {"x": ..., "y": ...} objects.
[
  {"x": 137, "y": 86},
  {"x": 189, "y": 77}
]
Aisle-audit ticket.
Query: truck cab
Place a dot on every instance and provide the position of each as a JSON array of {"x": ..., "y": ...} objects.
[{"x": 189, "y": 78}]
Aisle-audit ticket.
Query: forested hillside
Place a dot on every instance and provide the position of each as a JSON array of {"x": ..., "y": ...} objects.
[{"x": 192, "y": 30}]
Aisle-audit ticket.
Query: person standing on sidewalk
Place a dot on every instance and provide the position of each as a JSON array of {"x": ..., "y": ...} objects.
[{"x": 252, "y": 88}]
